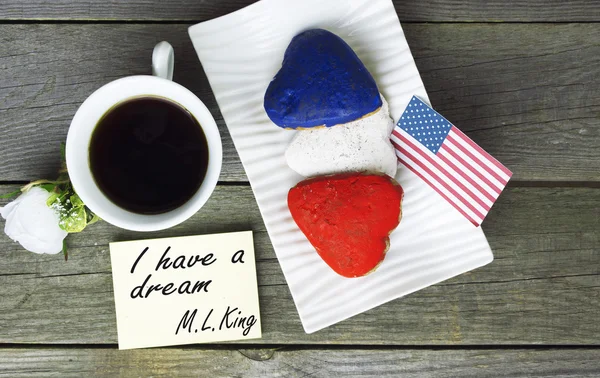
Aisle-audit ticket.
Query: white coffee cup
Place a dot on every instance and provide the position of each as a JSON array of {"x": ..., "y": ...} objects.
[{"x": 99, "y": 103}]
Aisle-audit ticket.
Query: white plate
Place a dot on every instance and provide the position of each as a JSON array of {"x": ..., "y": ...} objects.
[{"x": 240, "y": 53}]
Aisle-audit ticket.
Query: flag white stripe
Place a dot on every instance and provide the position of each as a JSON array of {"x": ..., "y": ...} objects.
[
  {"x": 468, "y": 197},
  {"x": 473, "y": 165},
  {"x": 440, "y": 187},
  {"x": 468, "y": 172},
  {"x": 484, "y": 159},
  {"x": 458, "y": 197}
]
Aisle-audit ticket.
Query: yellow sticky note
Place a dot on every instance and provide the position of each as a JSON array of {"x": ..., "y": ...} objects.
[{"x": 185, "y": 290}]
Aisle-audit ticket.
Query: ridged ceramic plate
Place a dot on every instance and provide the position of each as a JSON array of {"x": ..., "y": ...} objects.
[{"x": 240, "y": 53}]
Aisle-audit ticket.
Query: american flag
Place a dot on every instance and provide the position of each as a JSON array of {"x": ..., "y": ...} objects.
[{"x": 461, "y": 172}]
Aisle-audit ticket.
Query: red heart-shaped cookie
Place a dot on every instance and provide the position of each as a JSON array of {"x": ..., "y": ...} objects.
[{"x": 348, "y": 218}]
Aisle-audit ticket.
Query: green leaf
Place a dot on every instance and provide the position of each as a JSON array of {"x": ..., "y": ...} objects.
[
  {"x": 11, "y": 194},
  {"x": 52, "y": 199},
  {"x": 40, "y": 183},
  {"x": 63, "y": 151},
  {"x": 76, "y": 201},
  {"x": 48, "y": 187},
  {"x": 63, "y": 199},
  {"x": 91, "y": 216},
  {"x": 74, "y": 220},
  {"x": 94, "y": 219}
]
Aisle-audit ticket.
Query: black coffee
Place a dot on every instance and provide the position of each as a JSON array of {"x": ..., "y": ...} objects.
[{"x": 148, "y": 155}]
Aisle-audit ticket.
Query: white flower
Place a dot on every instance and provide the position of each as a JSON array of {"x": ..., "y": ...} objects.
[{"x": 32, "y": 223}]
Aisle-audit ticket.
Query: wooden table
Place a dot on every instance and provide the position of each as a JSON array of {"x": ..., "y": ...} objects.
[{"x": 522, "y": 78}]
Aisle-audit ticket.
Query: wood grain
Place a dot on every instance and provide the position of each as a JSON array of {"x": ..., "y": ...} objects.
[
  {"x": 408, "y": 10},
  {"x": 269, "y": 363},
  {"x": 528, "y": 94},
  {"x": 543, "y": 287},
  {"x": 44, "y": 80}
]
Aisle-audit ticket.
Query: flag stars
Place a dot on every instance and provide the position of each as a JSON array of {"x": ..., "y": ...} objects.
[{"x": 418, "y": 120}]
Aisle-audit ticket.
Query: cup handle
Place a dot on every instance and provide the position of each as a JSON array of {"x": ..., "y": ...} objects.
[{"x": 163, "y": 60}]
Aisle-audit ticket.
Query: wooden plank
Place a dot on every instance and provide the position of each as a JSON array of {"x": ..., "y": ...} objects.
[
  {"x": 54, "y": 68},
  {"x": 527, "y": 93},
  {"x": 542, "y": 288},
  {"x": 526, "y": 99},
  {"x": 196, "y": 11},
  {"x": 177, "y": 362}
]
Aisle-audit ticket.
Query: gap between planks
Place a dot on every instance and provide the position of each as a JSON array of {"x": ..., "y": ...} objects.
[
  {"x": 17, "y": 21},
  {"x": 511, "y": 184},
  {"x": 294, "y": 347}
]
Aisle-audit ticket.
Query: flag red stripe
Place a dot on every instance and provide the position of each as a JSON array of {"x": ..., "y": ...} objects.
[
  {"x": 466, "y": 177},
  {"x": 476, "y": 159},
  {"x": 489, "y": 157},
  {"x": 439, "y": 192},
  {"x": 442, "y": 183},
  {"x": 474, "y": 171},
  {"x": 443, "y": 170}
]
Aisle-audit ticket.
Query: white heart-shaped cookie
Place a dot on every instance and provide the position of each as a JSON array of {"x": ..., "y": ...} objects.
[{"x": 358, "y": 146}]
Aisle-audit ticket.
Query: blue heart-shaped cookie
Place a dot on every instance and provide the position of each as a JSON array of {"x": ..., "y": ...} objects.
[{"x": 321, "y": 83}]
